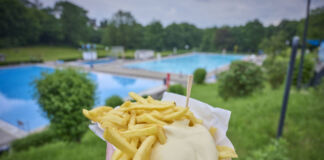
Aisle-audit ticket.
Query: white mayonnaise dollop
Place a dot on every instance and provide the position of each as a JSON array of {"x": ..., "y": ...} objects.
[{"x": 185, "y": 143}]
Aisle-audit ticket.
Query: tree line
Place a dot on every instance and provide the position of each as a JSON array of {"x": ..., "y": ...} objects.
[{"x": 25, "y": 23}]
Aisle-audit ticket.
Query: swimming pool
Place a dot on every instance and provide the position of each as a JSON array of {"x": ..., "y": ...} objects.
[
  {"x": 16, "y": 93},
  {"x": 187, "y": 64}
]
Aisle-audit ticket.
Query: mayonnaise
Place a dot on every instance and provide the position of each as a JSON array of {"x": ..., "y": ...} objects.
[{"x": 185, "y": 143}]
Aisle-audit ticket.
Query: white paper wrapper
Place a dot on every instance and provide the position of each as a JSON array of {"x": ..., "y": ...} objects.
[{"x": 212, "y": 116}]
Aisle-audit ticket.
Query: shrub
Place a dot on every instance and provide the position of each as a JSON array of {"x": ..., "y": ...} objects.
[
  {"x": 114, "y": 101},
  {"x": 177, "y": 88},
  {"x": 7, "y": 63},
  {"x": 144, "y": 96},
  {"x": 308, "y": 70},
  {"x": 240, "y": 80},
  {"x": 126, "y": 56},
  {"x": 69, "y": 59},
  {"x": 62, "y": 95},
  {"x": 268, "y": 61},
  {"x": 276, "y": 150},
  {"x": 34, "y": 140},
  {"x": 319, "y": 89},
  {"x": 199, "y": 75},
  {"x": 276, "y": 73}
]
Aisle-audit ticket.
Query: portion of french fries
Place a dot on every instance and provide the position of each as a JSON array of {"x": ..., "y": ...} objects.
[{"x": 135, "y": 127}]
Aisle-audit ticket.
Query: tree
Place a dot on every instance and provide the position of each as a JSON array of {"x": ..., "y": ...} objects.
[
  {"x": 51, "y": 27},
  {"x": 275, "y": 44},
  {"x": 62, "y": 95},
  {"x": 288, "y": 27},
  {"x": 18, "y": 25},
  {"x": 316, "y": 24},
  {"x": 270, "y": 30},
  {"x": 173, "y": 37},
  {"x": 179, "y": 35},
  {"x": 207, "y": 39},
  {"x": 224, "y": 39},
  {"x": 253, "y": 34},
  {"x": 191, "y": 35},
  {"x": 153, "y": 36},
  {"x": 238, "y": 34},
  {"x": 75, "y": 23},
  {"x": 123, "y": 30}
]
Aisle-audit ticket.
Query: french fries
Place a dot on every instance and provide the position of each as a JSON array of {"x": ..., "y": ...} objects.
[
  {"x": 116, "y": 155},
  {"x": 146, "y": 118},
  {"x": 176, "y": 115},
  {"x": 161, "y": 135},
  {"x": 226, "y": 152},
  {"x": 141, "y": 132},
  {"x": 134, "y": 127},
  {"x": 96, "y": 112},
  {"x": 120, "y": 142},
  {"x": 137, "y": 98},
  {"x": 212, "y": 131},
  {"x": 145, "y": 148}
]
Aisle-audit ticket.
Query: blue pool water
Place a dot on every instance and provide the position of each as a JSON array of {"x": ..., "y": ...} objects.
[
  {"x": 16, "y": 93},
  {"x": 187, "y": 64},
  {"x": 99, "y": 61}
]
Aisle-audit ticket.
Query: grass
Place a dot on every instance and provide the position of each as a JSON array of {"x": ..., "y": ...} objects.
[
  {"x": 52, "y": 53},
  {"x": 253, "y": 124},
  {"x": 47, "y": 53},
  {"x": 254, "y": 120},
  {"x": 91, "y": 147}
]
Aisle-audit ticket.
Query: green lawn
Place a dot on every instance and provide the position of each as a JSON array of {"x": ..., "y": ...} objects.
[
  {"x": 47, "y": 53},
  {"x": 253, "y": 124},
  {"x": 254, "y": 120},
  {"x": 91, "y": 147},
  {"x": 52, "y": 53}
]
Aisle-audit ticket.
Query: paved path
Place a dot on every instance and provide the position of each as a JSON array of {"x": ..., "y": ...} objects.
[
  {"x": 120, "y": 70},
  {"x": 9, "y": 133},
  {"x": 117, "y": 67}
]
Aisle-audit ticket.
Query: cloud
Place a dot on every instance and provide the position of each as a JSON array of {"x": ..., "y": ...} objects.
[
  {"x": 203, "y": 13},
  {"x": 8, "y": 104}
]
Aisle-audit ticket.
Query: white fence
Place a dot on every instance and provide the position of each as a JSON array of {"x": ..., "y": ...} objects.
[
  {"x": 144, "y": 54},
  {"x": 89, "y": 55}
]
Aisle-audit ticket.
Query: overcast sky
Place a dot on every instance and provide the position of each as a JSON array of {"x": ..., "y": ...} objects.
[{"x": 202, "y": 13}]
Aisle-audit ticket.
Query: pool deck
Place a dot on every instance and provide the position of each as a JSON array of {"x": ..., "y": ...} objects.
[
  {"x": 8, "y": 133},
  {"x": 117, "y": 67}
]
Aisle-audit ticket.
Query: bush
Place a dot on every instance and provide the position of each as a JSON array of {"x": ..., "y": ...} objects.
[
  {"x": 62, "y": 95},
  {"x": 114, "y": 101},
  {"x": 319, "y": 89},
  {"x": 34, "y": 140},
  {"x": 7, "y": 63},
  {"x": 126, "y": 56},
  {"x": 240, "y": 80},
  {"x": 144, "y": 96},
  {"x": 268, "y": 61},
  {"x": 177, "y": 88},
  {"x": 276, "y": 72},
  {"x": 308, "y": 70},
  {"x": 69, "y": 59},
  {"x": 199, "y": 75},
  {"x": 276, "y": 150}
]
